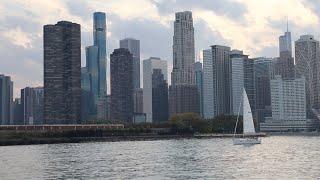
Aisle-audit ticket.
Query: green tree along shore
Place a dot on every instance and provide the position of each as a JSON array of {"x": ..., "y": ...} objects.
[{"x": 185, "y": 124}]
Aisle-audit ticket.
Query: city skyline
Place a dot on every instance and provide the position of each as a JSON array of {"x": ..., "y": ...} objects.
[{"x": 213, "y": 25}]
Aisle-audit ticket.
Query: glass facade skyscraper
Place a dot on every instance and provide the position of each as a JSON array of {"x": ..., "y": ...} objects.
[
  {"x": 6, "y": 101},
  {"x": 99, "y": 39}
]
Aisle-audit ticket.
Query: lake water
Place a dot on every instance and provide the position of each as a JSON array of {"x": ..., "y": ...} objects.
[{"x": 278, "y": 157}]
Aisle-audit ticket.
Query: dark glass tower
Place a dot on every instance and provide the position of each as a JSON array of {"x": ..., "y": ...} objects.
[
  {"x": 62, "y": 63},
  {"x": 159, "y": 97},
  {"x": 122, "y": 87}
]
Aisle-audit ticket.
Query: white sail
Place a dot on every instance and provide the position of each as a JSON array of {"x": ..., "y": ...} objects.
[{"x": 248, "y": 125}]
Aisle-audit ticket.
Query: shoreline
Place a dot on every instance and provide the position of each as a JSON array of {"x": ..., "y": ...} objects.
[
  {"x": 116, "y": 138},
  {"x": 144, "y": 137}
]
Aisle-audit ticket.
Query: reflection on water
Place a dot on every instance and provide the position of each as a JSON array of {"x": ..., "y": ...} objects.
[{"x": 277, "y": 157}]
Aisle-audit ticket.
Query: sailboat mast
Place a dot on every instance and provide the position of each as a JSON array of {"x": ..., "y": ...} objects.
[{"x": 235, "y": 128}]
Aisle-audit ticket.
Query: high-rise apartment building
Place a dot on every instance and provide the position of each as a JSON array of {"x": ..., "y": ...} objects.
[
  {"x": 288, "y": 102},
  {"x": 18, "y": 112},
  {"x": 138, "y": 100},
  {"x": 242, "y": 75},
  {"x": 208, "y": 85},
  {"x": 32, "y": 105},
  {"x": 183, "y": 94},
  {"x": 199, "y": 82},
  {"x": 221, "y": 73},
  {"x": 133, "y": 45},
  {"x": 62, "y": 75},
  {"x": 308, "y": 66},
  {"x": 159, "y": 97},
  {"x": 152, "y": 90},
  {"x": 6, "y": 100},
  {"x": 122, "y": 88},
  {"x": 262, "y": 75}
]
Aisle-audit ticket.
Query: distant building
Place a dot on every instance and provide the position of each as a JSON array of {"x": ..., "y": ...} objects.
[
  {"x": 217, "y": 82},
  {"x": 102, "y": 109},
  {"x": 99, "y": 40},
  {"x": 96, "y": 64},
  {"x": 62, "y": 76},
  {"x": 88, "y": 107},
  {"x": 242, "y": 77},
  {"x": 17, "y": 112},
  {"x": 149, "y": 67},
  {"x": 138, "y": 100},
  {"x": 199, "y": 82},
  {"x": 133, "y": 45},
  {"x": 183, "y": 93},
  {"x": 285, "y": 68},
  {"x": 288, "y": 99},
  {"x": 262, "y": 75},
  {"x": 32, "y": 105},
  {"x": 159, "y": 97},
  {"x": 122, "y": 87},
  {"x": 6, "y": 100},
  {"x": 308, "y": 66},
  {"x": 208, "y": 84}
]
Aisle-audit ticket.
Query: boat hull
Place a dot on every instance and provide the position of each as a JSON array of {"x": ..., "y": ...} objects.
[{"x": 246, "y": 141}]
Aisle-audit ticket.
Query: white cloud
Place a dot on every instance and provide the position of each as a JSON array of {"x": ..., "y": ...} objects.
[{"x": 18, "y": 37}]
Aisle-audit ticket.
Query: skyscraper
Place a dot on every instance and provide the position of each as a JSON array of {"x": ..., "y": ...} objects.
[
  {"x": 99, "y": 40},
  {"x": 288, "y": 100},
  {"x": 183, "y": 49},
  {"x": 133, "y": 46},
  {"x": 242, "y": 77},
  {"x": 149, "y": 65},
  {"x": 285, "y": 68},
  {"x": 138, "y": 100},
  {"x": 32, "y": 105},
  {"x": 183, "y": 93},
  {"x": 285, "y": 42},
  {"x": 62, "y": 81},
  {"x": 17, "y": 112},
  {"x": 159, "y": 97},
  {"x": 237, "y": 76},
  {"x": 199, "y": 82},
  {"x": 262, "y": 76},
  {"x": 6, "y": 100},
  {"x": 122, "y": 88},
  {"x": 308, "y": 65},
  {"x": 208, "y": 84},
  {"x": 96, "y": 64},
  {"x": 221, "y": 65}
]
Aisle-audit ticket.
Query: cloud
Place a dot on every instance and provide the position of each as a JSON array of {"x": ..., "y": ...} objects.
[
  {"x": 229, "y": 8},
  {"x": 250, "y": 25}
]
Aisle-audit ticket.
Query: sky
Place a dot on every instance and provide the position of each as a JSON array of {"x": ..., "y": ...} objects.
[{"x": 249, "y": 25}]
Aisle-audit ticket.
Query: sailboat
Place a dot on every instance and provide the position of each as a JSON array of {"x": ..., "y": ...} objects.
[{"x": 249, "y": 131}]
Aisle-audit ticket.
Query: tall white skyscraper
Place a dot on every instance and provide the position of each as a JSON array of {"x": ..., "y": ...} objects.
[
  {"x": 208, "y": 100},
  {"x": 288, "y": 102},
  {"x": 183, "y": 49},
  {"x": 149, "y": 65},
  {"x": 237, "y": 76},
  {"x": 183, "y": 93}
]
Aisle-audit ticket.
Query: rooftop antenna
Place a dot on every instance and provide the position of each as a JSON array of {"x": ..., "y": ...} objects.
[{"x": 287, "y": 24}]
